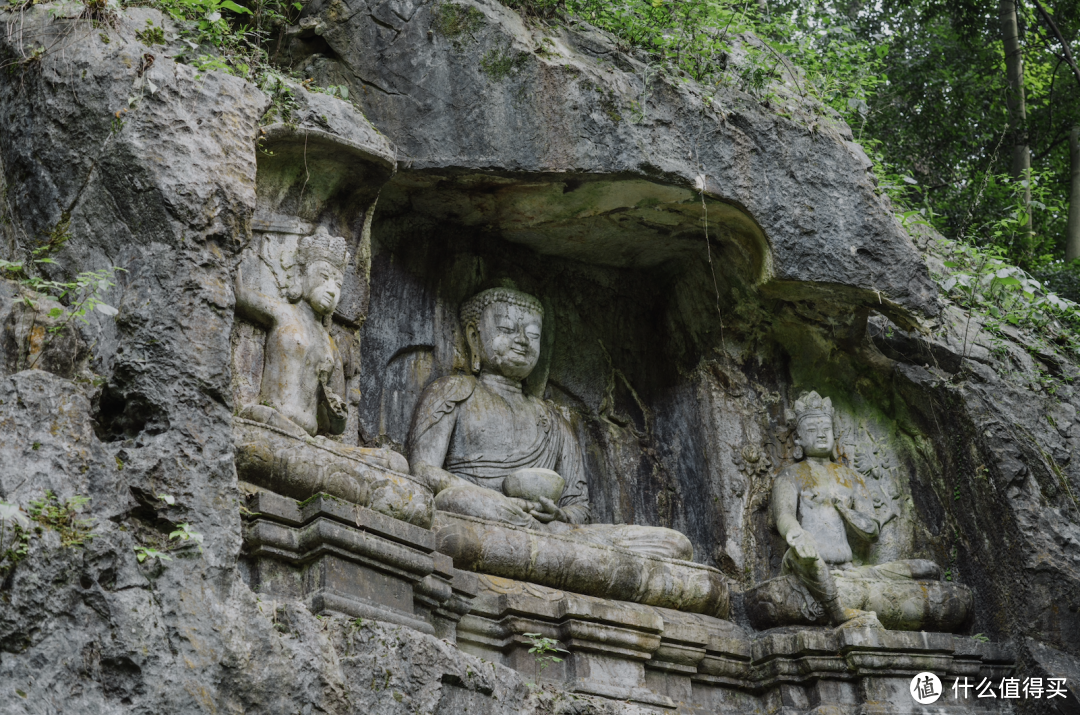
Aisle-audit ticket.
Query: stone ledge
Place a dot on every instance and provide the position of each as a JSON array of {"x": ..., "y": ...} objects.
[
  {"x": 347, "y": 559},
  {"x": 292, "y": 513},
  {"x": 689, "y": 663}
]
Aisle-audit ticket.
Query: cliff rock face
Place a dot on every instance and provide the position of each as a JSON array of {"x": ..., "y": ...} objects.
[{"x": 703, "y": 259}]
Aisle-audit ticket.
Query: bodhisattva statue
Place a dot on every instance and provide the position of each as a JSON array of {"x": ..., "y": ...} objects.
[
  {"x": 299, "y": 398},
  {"x": 478, "y": 440},
  {"x": 825, "y": 513}
]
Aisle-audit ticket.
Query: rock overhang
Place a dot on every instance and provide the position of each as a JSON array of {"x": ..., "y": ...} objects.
[
  {"x": 571, "y": 122},
  {"x": 614, "y": 221}
]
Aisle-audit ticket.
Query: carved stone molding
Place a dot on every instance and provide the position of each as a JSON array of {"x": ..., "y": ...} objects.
[
  {"x": 349, "y": 560},
  {"x": 693, "y": 663}
]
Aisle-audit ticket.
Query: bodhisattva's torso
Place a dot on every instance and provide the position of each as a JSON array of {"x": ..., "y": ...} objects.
[
  {"x": 817, "y": 483},
  {"x": 299, "y": 355}
]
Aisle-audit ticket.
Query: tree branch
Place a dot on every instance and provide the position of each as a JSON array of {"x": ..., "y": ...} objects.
[{"x": 1060, "y": 38}]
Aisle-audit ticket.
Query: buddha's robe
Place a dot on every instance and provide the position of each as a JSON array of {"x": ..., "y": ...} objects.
[
  {"x": 812, "y": 491},
  {"x": 483, "y": 429}
]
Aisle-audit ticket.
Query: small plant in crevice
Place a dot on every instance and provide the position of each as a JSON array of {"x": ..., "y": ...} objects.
[
  {"x": 186, "y": 535},
  {"x": 64, "y": 517},
  {"x": 18, "y": 526},
  {"x": 14, "y": 536},
  {"x": 78, "y": 297},
  {"x": 142, "y": 553},
  {"x": 543, "y": 651}
]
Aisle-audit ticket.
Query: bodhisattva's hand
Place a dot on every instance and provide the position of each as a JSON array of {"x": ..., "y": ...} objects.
[
  {"x": 336, "y": 404},
  {"x": 804, "y": 544},
  {"x": 548, "y": 512}
]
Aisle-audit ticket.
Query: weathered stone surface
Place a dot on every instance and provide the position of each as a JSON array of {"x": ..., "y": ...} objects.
[
  {"x": 675, "y": 384},
  {"x": 301, "y": 467}
]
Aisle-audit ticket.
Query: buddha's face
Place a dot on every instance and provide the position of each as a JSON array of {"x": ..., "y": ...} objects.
[
  {"x": 815, "y": 436},
  {"x": 322, "y": 286},
  {"x": 509, "y": 340}
]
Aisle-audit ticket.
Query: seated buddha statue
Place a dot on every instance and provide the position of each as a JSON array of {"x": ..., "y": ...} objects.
[
  {"x": 470, "y": 433},
  {"x": 825, "y": 513},
  {"x": 282, "y": 441}
]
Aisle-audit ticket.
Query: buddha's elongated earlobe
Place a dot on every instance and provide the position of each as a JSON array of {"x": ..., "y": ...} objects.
[{"x": 472, "y": 339}]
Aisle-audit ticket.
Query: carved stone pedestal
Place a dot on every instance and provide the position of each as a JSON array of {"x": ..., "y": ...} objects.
[
  {"x": 857, "y": 671},
  {"x": 620, "y": 650},
  {"x": 345, "y": 559},
  {"x": 608, "y": 641},
  {"x": 686, "y": 663}
]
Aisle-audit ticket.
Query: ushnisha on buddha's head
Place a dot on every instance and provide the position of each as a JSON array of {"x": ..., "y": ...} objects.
[
  {"x": 318, "y": 272},
  {"x": 502, "y": 328},
  {"x": 814, "y": 435}
]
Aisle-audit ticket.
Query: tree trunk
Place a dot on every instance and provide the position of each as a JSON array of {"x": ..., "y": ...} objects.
[
  {"x": 1014, "y": 67},
  {"x": 1072, "y": 234}
]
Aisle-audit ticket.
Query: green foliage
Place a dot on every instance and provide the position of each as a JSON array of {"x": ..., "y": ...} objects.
[
  {"x": 543, "y": 651},
  {"x": 500, "y": 63},
  {"x": 697, "y": 38},
  {"x": 452, "y": 20},
  {"x": 62, "y": 517},
  {"x": 14, "y": 536},
  {"x": 984, "y": 282},
  {"x": 152, "y": 35},
  {"x": 1062, "y": 278},
  {"x": 101, "y": 12},
  {"x": 142, "y": 553},
  {"x": 941, "y": 116},
  {"x": 185, "y": 534},
  {"x": 78, "y": 297},
  {"x": 17, "y": 526}
]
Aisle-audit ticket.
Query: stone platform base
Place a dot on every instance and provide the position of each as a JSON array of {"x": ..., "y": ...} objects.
[
  {"x": 676, "y": 662},
  {"x": 345, "y": 559}
]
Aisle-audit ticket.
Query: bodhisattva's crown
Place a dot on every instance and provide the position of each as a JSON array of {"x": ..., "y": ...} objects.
[
  {"x": 321, "y": 246},
  {"x": 810, "y": 404},
  {"x": 473, "y": 308}
]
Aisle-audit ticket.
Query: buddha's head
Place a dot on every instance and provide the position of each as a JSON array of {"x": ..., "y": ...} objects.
[
  {"x": 502, "y": 327},
  {"x": 316, "y": 276},
  {"x": 814, "y": 435}
]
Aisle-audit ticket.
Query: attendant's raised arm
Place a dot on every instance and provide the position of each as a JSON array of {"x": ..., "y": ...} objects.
[{"x": 253, "y": 304}]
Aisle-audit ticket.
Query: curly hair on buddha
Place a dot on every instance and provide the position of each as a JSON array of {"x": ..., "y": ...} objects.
[{"x": 473, "y": 308}]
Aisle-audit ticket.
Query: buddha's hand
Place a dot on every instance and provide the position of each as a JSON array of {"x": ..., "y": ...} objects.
[
  {"x": 548, "y": 512},
  {"x": 804, "y": 544},
  {"x": 524, "y": 504}
]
